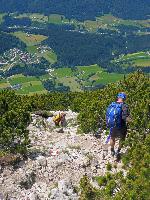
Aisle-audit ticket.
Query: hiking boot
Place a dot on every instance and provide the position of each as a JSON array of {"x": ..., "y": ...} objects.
[
  {"x": 112, "y": 152},
  {"x": 117, "y": 154}
]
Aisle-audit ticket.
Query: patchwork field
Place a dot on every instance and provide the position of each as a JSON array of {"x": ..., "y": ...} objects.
[
  {"x": 34, "y": 17},
  {"x": 84, "y": 76},
  {"x": 30, "y": 39},
  {"x": 94, "y": 74},
  {"x": 28, "y": 85},
  {"x": 107, "y": 21},
  {"x": 76, "y": 79}
]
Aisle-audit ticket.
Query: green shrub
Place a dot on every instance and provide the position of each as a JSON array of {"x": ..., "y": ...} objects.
[
  {"x": 14, "y": 119},
  {"x": 109, "y": 166},
  {"x": 101, "y": 180}
]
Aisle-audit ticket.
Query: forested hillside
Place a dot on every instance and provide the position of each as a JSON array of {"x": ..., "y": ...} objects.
[
  {"x": 96, "y": 48},
  {"x": 81, "y": 9},
  {"x": 91, "y": 107},
  {"x": 8, "y": 41}
]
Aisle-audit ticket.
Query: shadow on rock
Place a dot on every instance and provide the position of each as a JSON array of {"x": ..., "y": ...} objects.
[{"x": 34, "y": 155}]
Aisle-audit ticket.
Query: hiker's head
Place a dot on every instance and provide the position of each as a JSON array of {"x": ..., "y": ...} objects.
[
  {"x": 121, "y": 97},
  {"x": 63, "y": 114}
]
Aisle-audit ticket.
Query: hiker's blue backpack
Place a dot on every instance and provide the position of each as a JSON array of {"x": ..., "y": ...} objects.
[{"x": 114, "y": 115}]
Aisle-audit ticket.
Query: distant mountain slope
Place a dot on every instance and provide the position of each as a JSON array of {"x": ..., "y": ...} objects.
[{"x": 81, "y": 9}]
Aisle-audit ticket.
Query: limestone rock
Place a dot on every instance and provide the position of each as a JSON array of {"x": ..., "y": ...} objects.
[{"x": 58, "y": 159}]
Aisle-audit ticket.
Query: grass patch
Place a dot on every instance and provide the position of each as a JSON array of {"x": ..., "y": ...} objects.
[
  {"x": 91, "y": 25},
  {"x": 63, "y": 72},
  {"x": 3, "y": 81},
  {"x": 140, "y": 59},
  {"x": 4, "y": 85},
  {"x": 85, "y": 71},
  {"x": 109, "y": 20},
  {"x": 94, "y": 77},
  {"x": 101, "y": 180},
  {"x": 71, "y": 82},
  {"x": 55, "y": 19},
  {"x": 105, "y": 78},
  {"x": 32, "y": 88},
  {"x": 1, "y": 17},
  {"x": 34, "y": 17},
  {"x": 50, "y": 56},
  {"x": 44, "y": 77},
  {"x": 29, "y": 84},
  {"x": 30, "y": 39},
  {"x": 109, "y": 166},
  {"x": 136, "y": 55},
  {"x": 142, "y": 62},
  {"x": 32, "y": 49},
  {"x": 20, "y": 79}
]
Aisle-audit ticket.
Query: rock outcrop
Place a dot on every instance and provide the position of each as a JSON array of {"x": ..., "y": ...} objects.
[{"x": 56, "y": 162}]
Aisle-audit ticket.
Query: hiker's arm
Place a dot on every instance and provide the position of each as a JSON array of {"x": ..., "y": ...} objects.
[
  {"x": 126, "y": 114},
  {"x": 129, "y": 119}
]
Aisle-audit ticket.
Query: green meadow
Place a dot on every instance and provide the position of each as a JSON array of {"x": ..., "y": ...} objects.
[
  {"x": 106, "y": 78},
  {"x": 37, "y": 88},
  {"x": 138, "y": 59},
  {"x": 84, "y": 72},
  {"x": 34, "y": 17},
  {"x": 76, "y": 79},
  {"x": 142, "y": 62},
  {"x": 29, "y": 84},
  {"x": 32, "y": 49},
  {"x": 4, "y": 84},
  {"x": 84, "y": 76},
  {"x": 58, "y": 19},
  {"x": 1, "y": 17},
  {"x": 71, "y": 82},
  {"x": 63, "y": 72},
  {"x": 30, "y": 39},
  {"x": 21, "y": 79},
  {"x": 50, "y": 56}
]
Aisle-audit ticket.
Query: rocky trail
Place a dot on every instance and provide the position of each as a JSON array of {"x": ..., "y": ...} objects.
[{"x": 56, "y": 162}]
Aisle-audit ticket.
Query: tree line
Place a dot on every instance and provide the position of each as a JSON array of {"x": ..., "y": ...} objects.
[{"x": 80, "y": 9}]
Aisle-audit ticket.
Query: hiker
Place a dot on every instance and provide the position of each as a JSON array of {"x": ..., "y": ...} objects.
[
  {"x": 60, "y": 119},
  {"x": 117, "y": 116}
]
